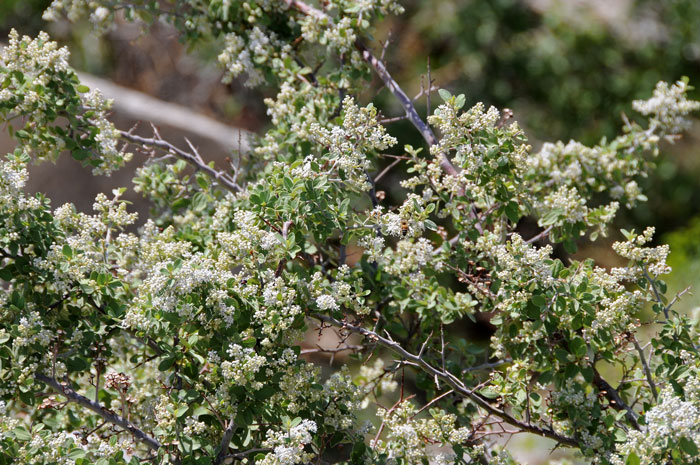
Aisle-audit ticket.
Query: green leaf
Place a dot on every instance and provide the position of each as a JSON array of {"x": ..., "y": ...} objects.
[
  {"x": 82, "y": 88},
  {"x": 513, "y": 212},
  {"x": 578, "y": 347},
  {"x": 538, "y": 300},
  {"x": 22, "y": 434},
  {"x": 489, "y": 393},
  {"x": 77, "y": 364},
  {"x": 632, "y": 459},
  {"x": 166, "y": 363},
  {"x": 5, "y": 274},
  {"x": 199, "y": 201},
  {"x": 430, "y": 225},
  {"x": 76, "y": 454},
  {"x": 550, "y": 217},
  {"x": 202, "y": 181},
  {"x": 445, "y": 94},
  {"x": 570, "y": 246},
  {"x": 67, "y": 251},
  {"x": 688, "y": 446},
  {"x": 81, "y": 154}
]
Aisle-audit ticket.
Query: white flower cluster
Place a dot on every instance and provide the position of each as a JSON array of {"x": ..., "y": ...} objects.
[
  {"x": 38, "y": 58},
  {"x": 52, "y": 447},
  {"x": 280, "y": 309},
  {"x": 408, "y": 221},
  {"x": 650, "y": 259},
  {"x": 517, "y": 260},
  {"x": 374, "y": 247},
  {"x": 241, "y": 56},
  {"x": 41, "y": 62},
  {"x": 164, "y": 411},
  {"x": 100, "y": 16},
  {"x": 31, "y": 330},
  {"x": 409, "y": 256},
  {"x": 340, "y": 35},
  {"x": 348, "y": 145},
  {"x": 288, "y": 446},
  {"x": 108, "y": 136},
  {"x": 326, "y": 302},
  {"x": 89, "y": 239},
  {"x": 341, "y": 291},
  {"x": 408, "y": 438},
  {"x": 299, "y": 105},
  {"x": 568, "y": 205},
  {"x": 249, "y": 238},
  {"x": 615, "y": 314},
  {"x": 296, "y": 390},
  {"x": 456, "y": 126},
  {"x": 672, "y": 421},
  {"x": 608, "y": 167},
  {"x": 581, "y": 397},
  {"x": 13, "y": 177},
  {"x": 342, "y": 392},
  {"x": 668, "y": 107},
  {"x": 244, "y": 365}
]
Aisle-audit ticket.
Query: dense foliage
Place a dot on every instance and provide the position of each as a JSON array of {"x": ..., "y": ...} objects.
[{"x": 180, "y": 343}]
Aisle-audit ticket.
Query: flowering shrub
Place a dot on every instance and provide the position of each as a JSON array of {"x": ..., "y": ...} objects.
[{"x": 181, "y": 343}]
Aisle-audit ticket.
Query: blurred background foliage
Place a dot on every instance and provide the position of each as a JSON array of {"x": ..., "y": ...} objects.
[{"x": 567, "y": 68}]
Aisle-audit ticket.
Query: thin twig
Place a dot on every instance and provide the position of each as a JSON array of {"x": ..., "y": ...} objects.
[
  {"x": 485, "y": 366},
  {"x": 392, "y": 120},
  {"x": 245, "y": 453},
  {"x": 539, "y": 236},
  {"x": 430, "y": 86},
  {"x": 656, "y": 292},
  {"x": 386, "y": 170},
  {"x": 433, "y": 402},
  {"x": 219, "y": 176}
]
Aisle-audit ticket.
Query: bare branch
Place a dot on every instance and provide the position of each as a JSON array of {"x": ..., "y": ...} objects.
[
  {"x": 645, "y": 365},
  {"x": 614, "y": 398},
  {"x": 407, "y": 105},
  {"x": 245, "y": 453},
  {"x": 324, "y": 350},
  {"x": 192, "y": 158},
  {"x": 457, "y": 385},
  {"x": 67, "y": 391},
  {"x": 656, "y": 292},
  {"x": 225, "y": 441},
  {"x": 432, "y": 402}
]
